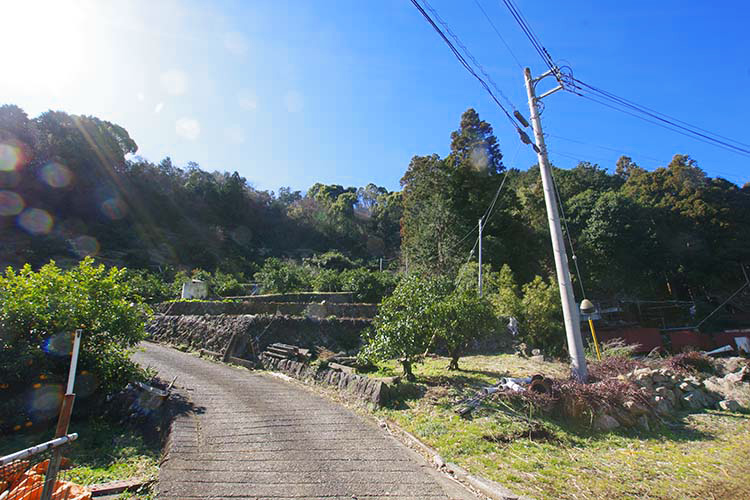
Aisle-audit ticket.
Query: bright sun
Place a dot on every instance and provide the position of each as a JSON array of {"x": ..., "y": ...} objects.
[{"x": 44, "y": 43}]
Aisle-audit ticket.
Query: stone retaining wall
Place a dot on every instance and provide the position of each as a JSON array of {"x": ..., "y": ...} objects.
[
  {"x": 365, "y": 388},
  {"x": 306, "y": 297},
  {"x": 217, "y": 332},
  {"x": 314, "y": 309}
]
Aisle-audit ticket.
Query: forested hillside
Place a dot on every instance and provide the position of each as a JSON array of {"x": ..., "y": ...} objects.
[
  {"x": 70, "y": 191},
  {"x": 70, "y": 186}
]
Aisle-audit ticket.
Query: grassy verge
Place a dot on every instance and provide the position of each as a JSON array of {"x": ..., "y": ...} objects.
[
  {"x": 103, "y": 452},
  {"x": 702, "y": 456}
]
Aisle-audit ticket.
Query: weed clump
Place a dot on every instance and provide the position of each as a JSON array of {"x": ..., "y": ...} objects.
[{"x": 691, "y": 362}]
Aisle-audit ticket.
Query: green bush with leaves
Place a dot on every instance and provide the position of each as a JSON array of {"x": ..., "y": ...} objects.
[
  {"x": 40, "y": 310},
  {"x": 150, "y": 286},
  {"x": 277, "y": 276},
  {"x": 367, "y": 286},
  {"x": 459, "y": 318},
  {"x": 541, "y": 321},
  {"x": 327, "y": 280},
  {"x": 333, "y": 260},
  {"x": 405, "y": 323}
]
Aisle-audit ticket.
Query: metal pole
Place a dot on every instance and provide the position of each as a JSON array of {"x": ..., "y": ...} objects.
[
  {"x": 73, "y": 362},
  {"x": 63, "y": 422},
  {"x": 381, "y": 264},
  {"x": 570, "y": 311},
  {"x": 480, "y": 257},
  {"x": 596, "y": 342}
]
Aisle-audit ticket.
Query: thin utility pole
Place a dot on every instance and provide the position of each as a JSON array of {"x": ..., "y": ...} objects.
[
  {"x": 570, "y": 310},
  {"x": 480, "y": 257}
]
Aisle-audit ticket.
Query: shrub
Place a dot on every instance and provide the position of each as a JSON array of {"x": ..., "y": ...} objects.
[
  {"x": 404, "y": 325},
  {"x": 367, "y": 286},
  {"x": 333, "y": 260},
  {"x": 39, "y": 311},
  {"x": 225, "y": 284},
  {"x": 151, "y": 287},
  {"x": 327, "y": 280},
  {"x": 277, "y": 276},
  {"x": 460, "y": 318},
  {"x": 541, "y": 322}
]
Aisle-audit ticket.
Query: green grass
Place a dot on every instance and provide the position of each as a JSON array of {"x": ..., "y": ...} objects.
[
  {"x": 103, "y": 452},
  {"x": 701, "y": 456}
]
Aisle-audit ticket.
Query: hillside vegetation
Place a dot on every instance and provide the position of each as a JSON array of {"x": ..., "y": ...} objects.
[{"x": 72, "y": 186}]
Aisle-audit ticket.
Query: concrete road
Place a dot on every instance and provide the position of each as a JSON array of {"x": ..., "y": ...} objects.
[{"x": 255, "y": 436}]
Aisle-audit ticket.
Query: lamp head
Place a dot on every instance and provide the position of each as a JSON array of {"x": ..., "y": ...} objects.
[{"x": 587, "y": 307}]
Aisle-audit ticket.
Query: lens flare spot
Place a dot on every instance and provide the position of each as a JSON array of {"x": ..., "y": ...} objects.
[
  {"x": 35, "y": 221},
  {"x": 11, "y": 203},
  {"x": 45, "y": 401},
  {"x": 85, "y": 246},
  {"x": 11, "y": 156},
  {"x": 86, "y": 384},
  {"x": 37, "y": 385},
  {"x": 28, "y": 424},
  {"x": 114, "y": 208},
  {"x": 16, "y": 427},
  {"x": 60, "y": 344},
  {"x": 56, "y": 175}
]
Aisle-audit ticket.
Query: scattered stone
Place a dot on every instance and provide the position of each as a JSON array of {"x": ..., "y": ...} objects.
[
  {"x": 736, "y": 378},
  {"x": 694, "y": 400},
  {"x": 643, "y": 423},
  {"x": 668, "y": 394},
  {"x": 538, "y": 358},
  {"x": 729, "y": 405},
  {"x": 605, "y": 423},
  {"x": 686, "y": 386},
  {"x": 635, "y": 409},
  {"x": 662, "y": 406},
  {"x": 734, "y": 364}
]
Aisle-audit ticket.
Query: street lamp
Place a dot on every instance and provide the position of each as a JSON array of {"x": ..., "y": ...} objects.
[{"x": 588, "y": 308}]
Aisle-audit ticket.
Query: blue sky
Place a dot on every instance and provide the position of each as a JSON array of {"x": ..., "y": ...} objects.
[{"x": 297, "y": 92}]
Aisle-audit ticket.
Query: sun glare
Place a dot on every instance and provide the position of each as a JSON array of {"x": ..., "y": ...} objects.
[{"x": 45, "y": 42}]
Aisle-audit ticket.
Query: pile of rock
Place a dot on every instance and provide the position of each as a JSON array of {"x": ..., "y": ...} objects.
[{"x": 670, "y": 391}]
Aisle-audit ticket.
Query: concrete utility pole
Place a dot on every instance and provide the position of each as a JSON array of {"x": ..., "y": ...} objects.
[
  {"x": 570, "y": 311},
  {"x": 480, "y": 257}
]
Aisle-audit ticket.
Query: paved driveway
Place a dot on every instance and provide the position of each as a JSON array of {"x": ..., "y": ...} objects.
[{"x": 255, "y": 436}]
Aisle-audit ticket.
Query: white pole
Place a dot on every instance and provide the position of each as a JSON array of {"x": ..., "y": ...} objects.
[
  {"x": 73, "y": 362},
  {"x": 480, "y": 257},
  {"x": 570, "y": 311}
]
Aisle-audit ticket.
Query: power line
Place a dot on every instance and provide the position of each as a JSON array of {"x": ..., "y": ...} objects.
[
  {"x": 567, "y": 232},
  {"x": 497, "y": 32},
  {"x": 614, "y": 150},
  {"x": 628, "y": 107},
  {"x": 467, "y": 53},
  {"x": 621, "y": 104},
  {"x": 526, "y": 28},
  {"x": 465, "y": 64}
]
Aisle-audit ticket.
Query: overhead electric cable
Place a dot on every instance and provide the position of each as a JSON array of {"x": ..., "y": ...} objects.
[
  {"x": 658, "y": 115},
  {"x": 465, "y": 64},
  {"x": 609, "y": 100},
  {"x": 567, "y": 232},
  {"x": 467, "y": 53},
  {"x": 497, "y": 32},
  {"x": 541, "y": 50},
  {"x": 621, "y": 104}
]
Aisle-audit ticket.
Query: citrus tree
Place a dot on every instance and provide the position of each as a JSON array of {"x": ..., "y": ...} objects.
[
  {"x": 40, "y": 311},
  {"x": 405, "y": 322},
  {"x": 459, "y": 318}
]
